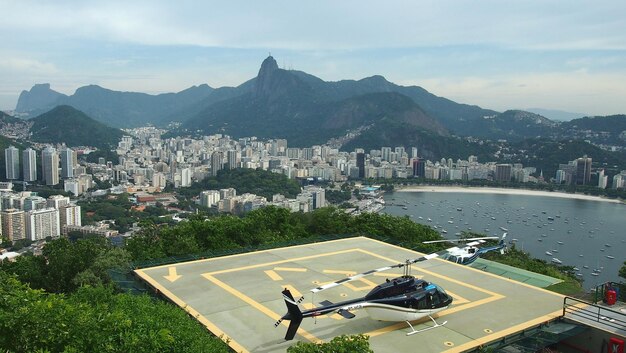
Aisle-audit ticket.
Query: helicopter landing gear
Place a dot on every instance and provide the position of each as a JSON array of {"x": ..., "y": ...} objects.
[{"x": 435, "y": 325}]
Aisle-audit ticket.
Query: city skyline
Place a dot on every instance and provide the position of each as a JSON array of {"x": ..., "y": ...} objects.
[{"x": 565, "y": 56}]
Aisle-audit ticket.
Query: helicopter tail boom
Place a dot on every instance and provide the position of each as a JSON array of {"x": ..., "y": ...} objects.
[{"x": 294, "y": 315}]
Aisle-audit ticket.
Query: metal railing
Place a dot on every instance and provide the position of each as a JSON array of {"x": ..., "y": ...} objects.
[{"x": 586, "y": 313}]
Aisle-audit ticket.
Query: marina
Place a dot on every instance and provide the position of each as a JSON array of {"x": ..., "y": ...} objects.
[{"x": 584, "y": 233}]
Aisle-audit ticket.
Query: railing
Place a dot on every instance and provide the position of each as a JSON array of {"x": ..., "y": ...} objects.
[
  {"x": 586, "y": 313},
  {"x": 600, "y": 291}
]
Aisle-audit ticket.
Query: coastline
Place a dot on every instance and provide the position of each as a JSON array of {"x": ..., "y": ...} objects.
[{"x": 491, "y": 190}]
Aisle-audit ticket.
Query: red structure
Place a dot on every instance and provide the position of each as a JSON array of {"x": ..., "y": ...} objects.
[{"x": 616, "y": 345}]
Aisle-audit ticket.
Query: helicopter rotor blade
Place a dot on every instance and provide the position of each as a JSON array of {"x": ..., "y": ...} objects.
[
  {"x": 352, "y": 278},
  {"x": 400, "y": 265},
  {"x": 457, "y": 240}
]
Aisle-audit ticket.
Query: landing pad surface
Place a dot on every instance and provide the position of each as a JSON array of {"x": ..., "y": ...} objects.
[{"x": 238, "y": 297}]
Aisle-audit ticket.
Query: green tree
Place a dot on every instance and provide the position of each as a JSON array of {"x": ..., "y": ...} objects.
[
  {"x": 339, "y": 344},
  {"x": 622, "y": 271},
  {"x": 94, "y": 319}
]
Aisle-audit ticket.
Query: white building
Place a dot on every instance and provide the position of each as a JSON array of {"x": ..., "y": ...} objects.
[
  {"x": 29, "y": 158},
  {"x": 42, "y": 223},
  {"x": 12, "y": 163}
]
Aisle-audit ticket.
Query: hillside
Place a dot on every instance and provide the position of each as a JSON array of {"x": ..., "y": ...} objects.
[
  {"x": 74, "y": 128},
  {"x": 130, "y": 109},
  {"x": 513, "y": 125},
  {"x": 302, "y": 109},
  {"x": 114, "y": 108},
  {"x": 546, "y": 155}
]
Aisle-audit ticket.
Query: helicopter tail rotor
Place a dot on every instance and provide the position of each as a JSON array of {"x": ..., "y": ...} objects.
[
  {"x": 503, "y": 244},
  {"x": 293, "y": 314}
]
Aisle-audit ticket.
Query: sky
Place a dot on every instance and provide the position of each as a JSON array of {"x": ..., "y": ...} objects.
[{"x": 562, "y": 55}]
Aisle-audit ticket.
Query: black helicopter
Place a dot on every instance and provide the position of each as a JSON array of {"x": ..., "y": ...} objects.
[{"x": 404, "y": 298}]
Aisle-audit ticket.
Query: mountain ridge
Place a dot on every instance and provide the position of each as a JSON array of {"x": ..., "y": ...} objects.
[{"x": 66, "y": 124}]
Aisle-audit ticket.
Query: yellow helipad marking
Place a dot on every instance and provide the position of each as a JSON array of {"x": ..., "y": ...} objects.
[
  {"x": 493, "y": 296},
  {"x": 458, "y": 300},
  {"x": 273, "y": 275},
  {"x": 260, "y": 307},
  {"x": 193, "y": 312},
  {"x": 368, "y": 285},
  {"x": 172, "y": 275},
  {"x": 511, "y": 330},
  {"x": 341, "y": 272},
  {"x": 249, "y": 267},
  {"x": 290, "y": 269}
]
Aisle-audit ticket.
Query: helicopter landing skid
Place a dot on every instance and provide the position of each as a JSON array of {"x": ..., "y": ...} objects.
[{"x": 435, "y": 325}]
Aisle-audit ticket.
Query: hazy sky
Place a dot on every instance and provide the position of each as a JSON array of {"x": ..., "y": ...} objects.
[{"x": 567, "y": 55}]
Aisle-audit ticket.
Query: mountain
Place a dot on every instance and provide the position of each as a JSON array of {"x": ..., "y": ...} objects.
[
  {"x": 114, "y": 108},
  {"x": 39, "y": 99},
  {"x": 556, "y": 115},
  {"x": 8, "y": 119},
  {"x": 513, "y": 125},
  {"x": 307, "y": 110},
  {"x": 547, "y": 154},
  {"x": 606, "y": 130},
  {"x": 65, "y": 124}
]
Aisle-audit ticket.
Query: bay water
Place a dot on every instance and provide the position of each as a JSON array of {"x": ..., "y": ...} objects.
[{"x": 589, "y": 235}]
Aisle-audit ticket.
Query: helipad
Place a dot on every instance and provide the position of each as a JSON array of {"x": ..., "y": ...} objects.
[{"x": 238, "y": 297}]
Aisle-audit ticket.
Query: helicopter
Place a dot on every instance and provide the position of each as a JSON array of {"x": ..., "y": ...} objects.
[
  {"x": 469, "y": 254},
  {"x": 405, "y": 298}
]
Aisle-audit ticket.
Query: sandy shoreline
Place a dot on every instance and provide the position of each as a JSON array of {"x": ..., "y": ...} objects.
[{"x": 488, "y": 190}]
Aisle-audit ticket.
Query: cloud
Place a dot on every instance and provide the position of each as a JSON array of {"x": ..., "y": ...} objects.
[
  {"x": 26, "y": 66},
  {"x": 597, "y": 94},
  {"x": 345, "y": 25}
]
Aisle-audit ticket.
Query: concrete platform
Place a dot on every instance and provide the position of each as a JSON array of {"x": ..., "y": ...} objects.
[{"x": 238, "y": 297}]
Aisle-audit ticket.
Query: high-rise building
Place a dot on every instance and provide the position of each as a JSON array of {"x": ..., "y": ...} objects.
[
  {"x": 13, "y": 224},
  {"x": 360, "y": 163},
  {"x": 42, "y": 223},
  {"x": 209, "y": 198},
  {"x": 50, "y": 166},
  {"x": 57, "y": 201},
  {"x": 217, "y": 163},
  {"x": 67, "y": 163},
  {"x": 29, "y": 158},
  {"x": 12, "y": 163},
  {"x": 419, "y": 168},
  {"x": 386, "y": 153},
  {"x": 233, "y": 159},
  {"x": 69, "y": 215},
  {"x": 583, "y": 170},
  {"x": 503, "y": 172}
]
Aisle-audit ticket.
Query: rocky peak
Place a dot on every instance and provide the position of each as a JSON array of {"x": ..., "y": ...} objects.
[
  {"x": 40, "y": 96},
  {"x": 267, "y": 76}
]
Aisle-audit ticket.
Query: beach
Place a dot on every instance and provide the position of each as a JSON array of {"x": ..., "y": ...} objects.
[{"x": 490, "y": 190}]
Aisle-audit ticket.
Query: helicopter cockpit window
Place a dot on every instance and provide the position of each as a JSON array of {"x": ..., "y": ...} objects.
[{"x": 471, "y": 250}]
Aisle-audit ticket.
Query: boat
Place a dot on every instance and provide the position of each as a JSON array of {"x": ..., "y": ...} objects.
[
  {"x": 610, "y": 257},
  {"x": 585, "y": 266},
  {"x": 444, "y": 231},
  {"x": 548, "y": 253},
  {"x": 576, "y": 269},
  {"x": 550, "y": 218},
  {"x": 459, "y": 209},
  {"x": 595, "y": 274},
  {"x": 556, "y": 261},
  {"x": 559, "y": 242},
  {"x": 429, "y": 220},
  {"x": 539, "y": 239},
  {"x": 607, "y": 245},
  {"x": 504, "y": 229}
]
